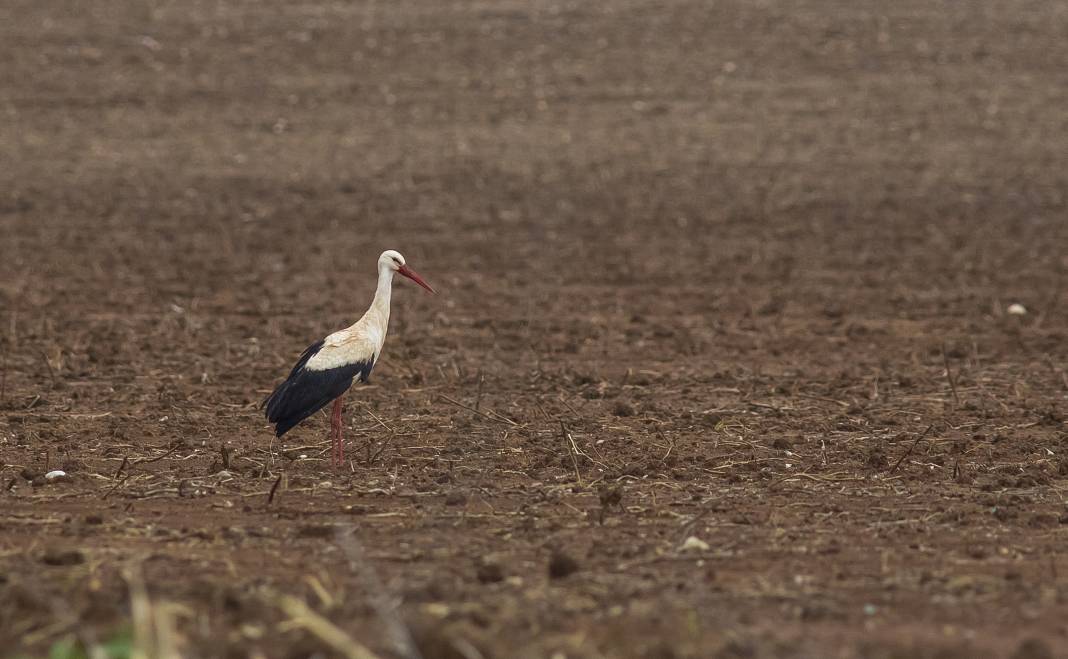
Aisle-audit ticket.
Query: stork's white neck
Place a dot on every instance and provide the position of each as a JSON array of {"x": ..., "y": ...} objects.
[
  {"x": 375, "y": 321},
  {"x": 383, "y": 292}
]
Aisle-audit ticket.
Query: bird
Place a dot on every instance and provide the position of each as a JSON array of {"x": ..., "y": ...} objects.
[{"x": 327, "y": 368}]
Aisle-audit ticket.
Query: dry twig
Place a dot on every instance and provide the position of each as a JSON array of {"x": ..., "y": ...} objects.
[
  {"x": 303, "y": 616},
  {"x": 492, "y": 417},
  {"x": 571, "y": 450},
  {"x": 911, "y": 448},
  {"x": 384, "y": 605},
  {"x": 274, "y": 488},
  {"x": 949, "y": 376}
]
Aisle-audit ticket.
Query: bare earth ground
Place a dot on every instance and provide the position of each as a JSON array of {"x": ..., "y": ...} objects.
[{"x": 709, "y": 259}]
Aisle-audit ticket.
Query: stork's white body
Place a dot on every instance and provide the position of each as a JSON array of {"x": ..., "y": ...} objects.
[
  {"x": 327, "y": 368},
  {"x": 363, "y": 340}
]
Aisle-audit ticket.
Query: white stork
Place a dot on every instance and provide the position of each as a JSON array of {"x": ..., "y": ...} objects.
[{"x": 327, "y": 368}]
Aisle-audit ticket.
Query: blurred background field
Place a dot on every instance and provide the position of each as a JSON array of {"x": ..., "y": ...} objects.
[{"x": 737, "y": 271}]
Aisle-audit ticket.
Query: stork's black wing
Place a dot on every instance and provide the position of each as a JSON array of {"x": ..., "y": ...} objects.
[{"x": 305, "y": 391}]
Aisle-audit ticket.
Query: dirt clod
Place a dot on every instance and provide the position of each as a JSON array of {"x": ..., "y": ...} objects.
[
  {"x": 1033, "y": 648},
  {"x": 561, "y": 565},
  {"x": 316, "y": 531},
  {"x": 489, "y": 572},
  {"x": 58, "y": 557}
]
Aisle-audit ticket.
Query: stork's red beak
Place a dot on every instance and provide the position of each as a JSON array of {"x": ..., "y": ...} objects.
[{"x": 411, "y": 274}]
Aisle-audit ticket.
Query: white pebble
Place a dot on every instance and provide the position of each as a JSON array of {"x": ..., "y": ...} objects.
[
  {"x": 53, "y": 475},
  {"x": 1017, "y": 309},
  {"x": 693, "y": 543}
]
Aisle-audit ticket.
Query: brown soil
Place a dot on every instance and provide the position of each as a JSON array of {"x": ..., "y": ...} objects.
[{"x": 736, "y": 271}]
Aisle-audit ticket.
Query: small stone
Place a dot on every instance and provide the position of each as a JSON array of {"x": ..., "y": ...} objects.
[
  {"x": 56, "y": 475},
  {"x": 1017, "y": 309},
  {"x": 711, "y": 419},
  {"x": 693, "y": 543},
  {"x": 489, "y": 572},
  {"x": 561, "y": 565}
]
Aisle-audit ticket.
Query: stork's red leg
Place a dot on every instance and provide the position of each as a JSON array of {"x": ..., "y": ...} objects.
[
  {"x": 337, "y": 453},
  {"x": 340, "y": 439}
]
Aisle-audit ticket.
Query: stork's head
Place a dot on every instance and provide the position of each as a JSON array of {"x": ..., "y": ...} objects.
[{"x": 393, "y": 260}]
